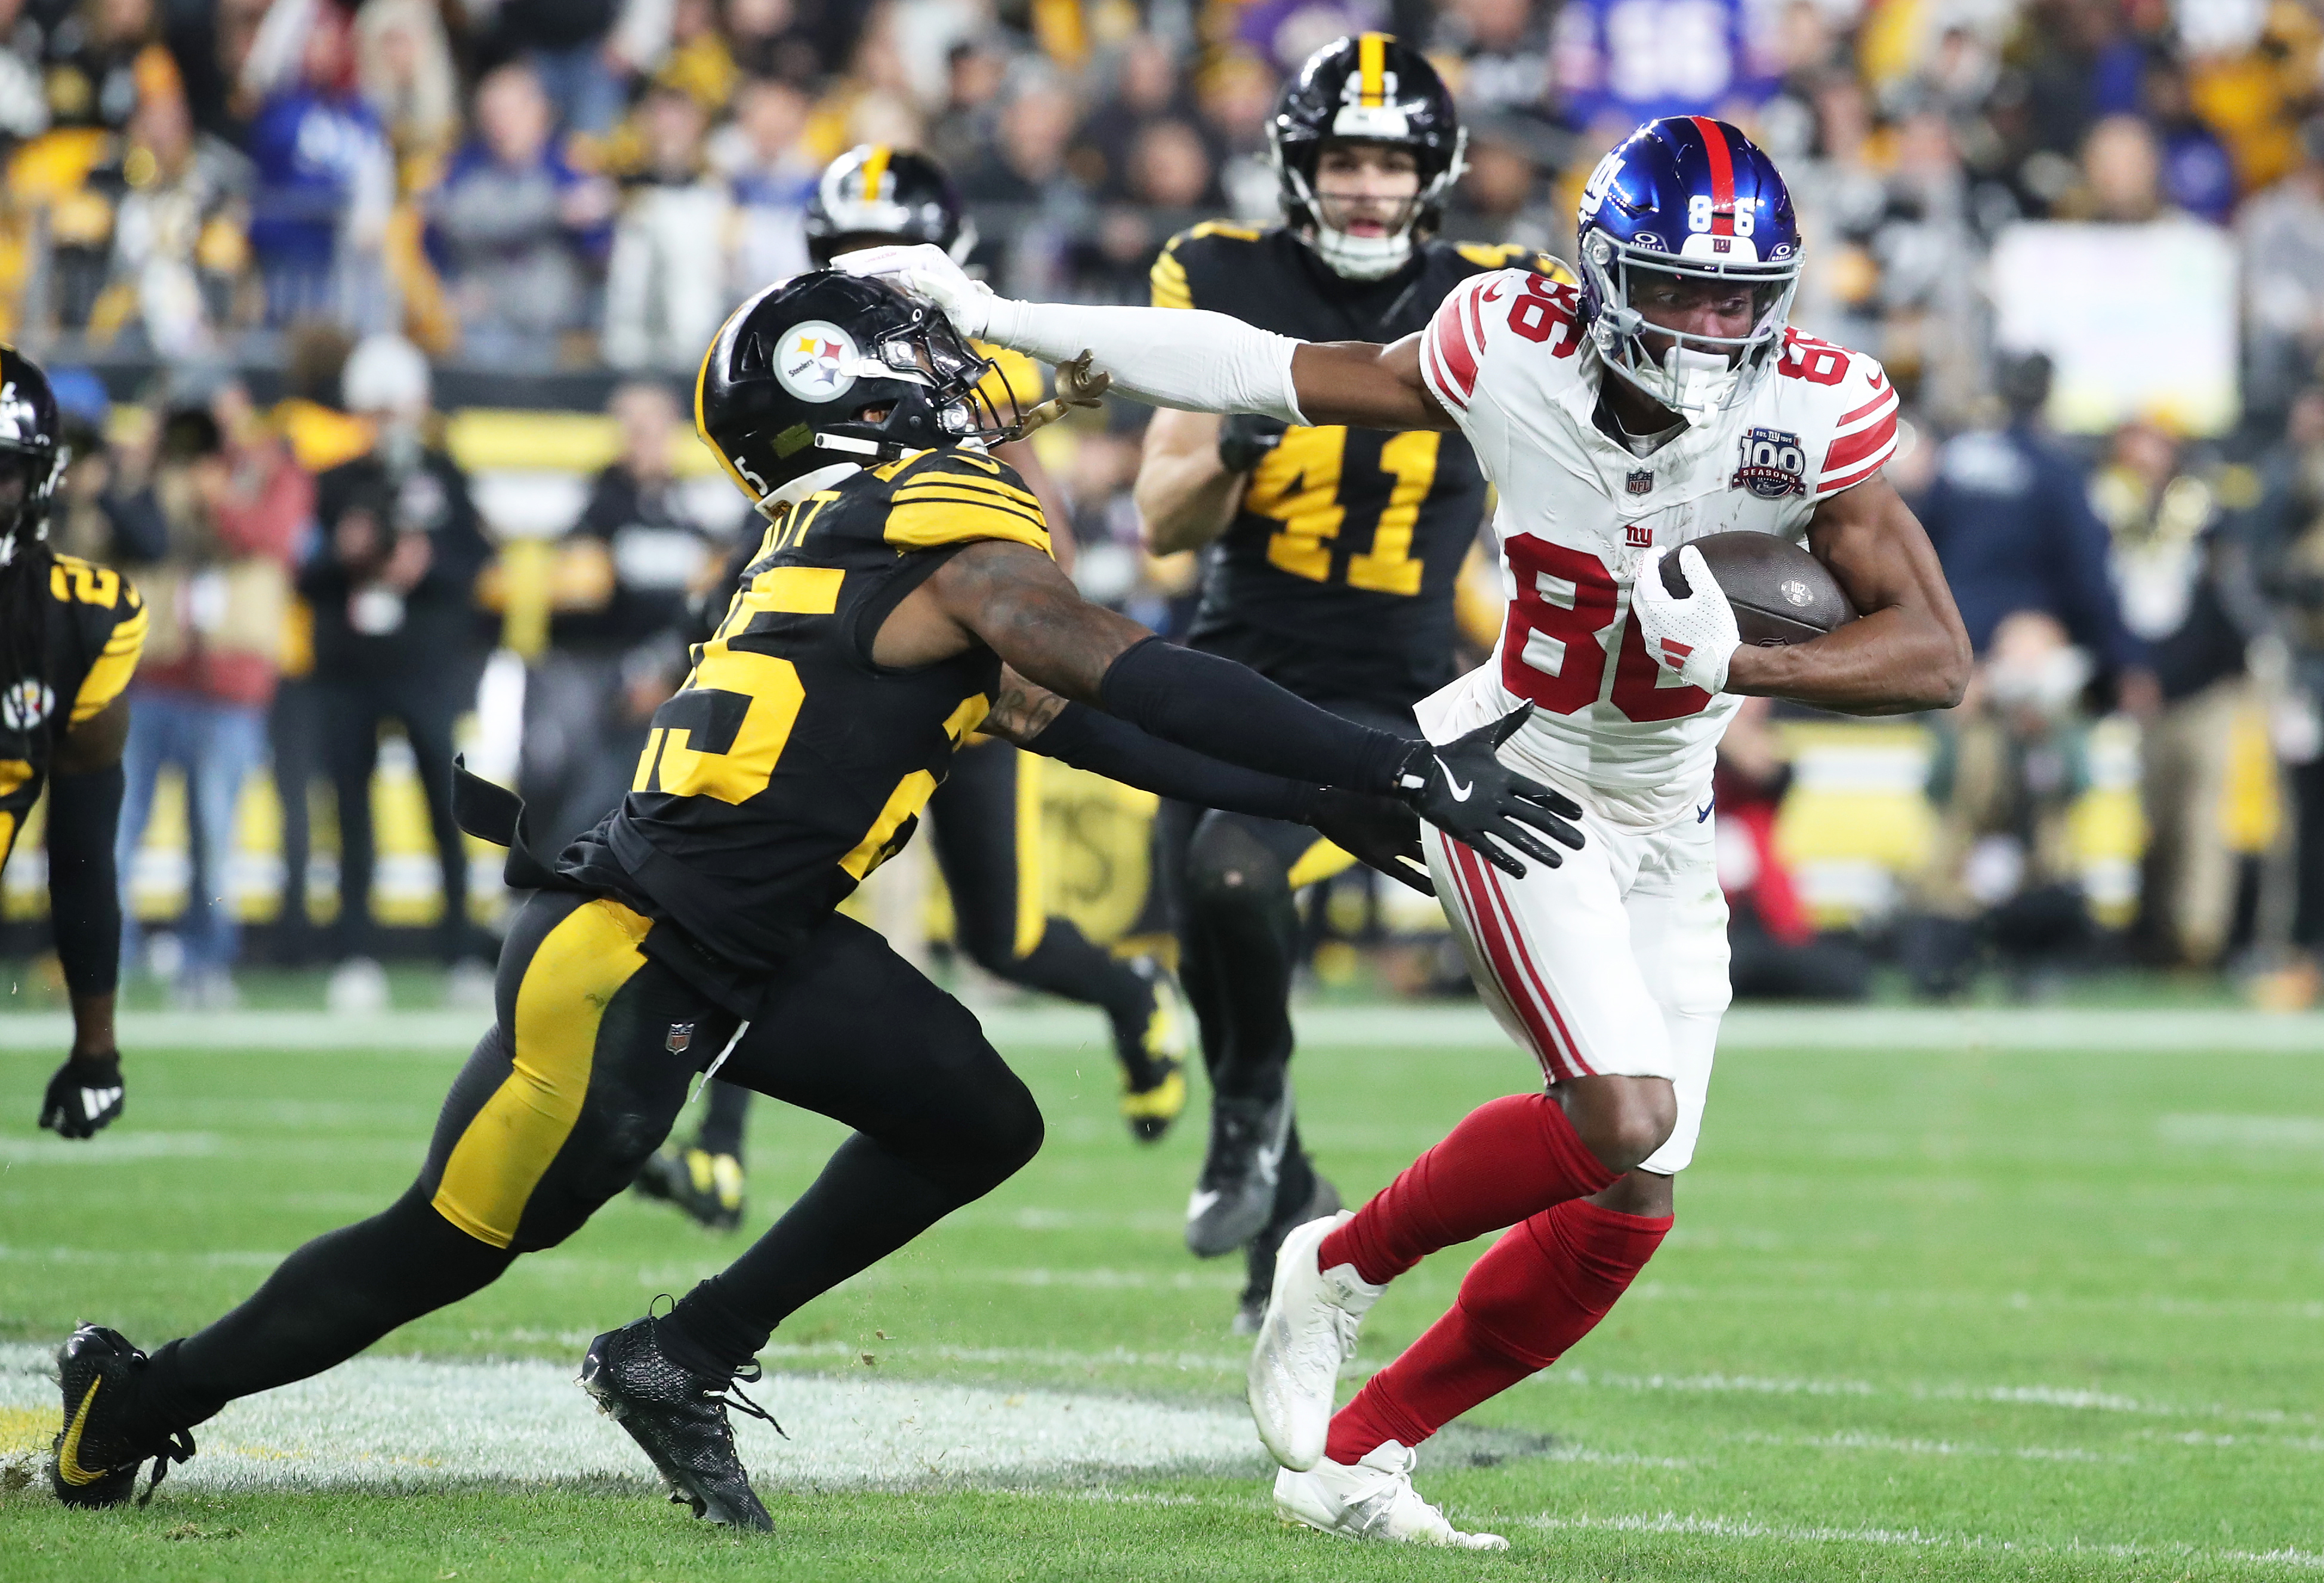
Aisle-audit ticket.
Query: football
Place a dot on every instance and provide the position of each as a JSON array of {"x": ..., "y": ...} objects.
[{"x": 1781, "y": 593}]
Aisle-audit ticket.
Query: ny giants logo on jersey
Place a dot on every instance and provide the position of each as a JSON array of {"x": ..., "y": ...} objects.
[{"x": 1774, "y": 465}]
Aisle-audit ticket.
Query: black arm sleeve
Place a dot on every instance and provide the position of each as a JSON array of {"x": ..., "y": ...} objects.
[
  {"x": 1090, "y": 739},
  {"x": 84, "y": 900},
  {"x": 1221, "y": 708}
]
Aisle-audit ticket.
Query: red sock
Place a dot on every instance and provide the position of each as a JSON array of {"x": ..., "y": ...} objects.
[
  {"x": 1506, "y": 1160},
  {"x": 1534, "y": 1293}
]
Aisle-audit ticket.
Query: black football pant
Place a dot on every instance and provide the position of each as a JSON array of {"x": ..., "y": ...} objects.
[
  {"x": 577, "y": 1083},
  {"x": 986, "y": 822},
  {"x": 427, "y": 704},
  {"x": 1232, "y": 882}
]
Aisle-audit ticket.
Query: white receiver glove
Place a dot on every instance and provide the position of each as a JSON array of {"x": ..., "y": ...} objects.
[
  {"x": 1693, "y": 638},
  {"x": 928, "y": 271}
]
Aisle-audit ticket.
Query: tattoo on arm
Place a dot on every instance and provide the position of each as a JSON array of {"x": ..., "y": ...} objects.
[
  {"x": 1022, "y": 711},
  {"x": 1026, "y": 611}
]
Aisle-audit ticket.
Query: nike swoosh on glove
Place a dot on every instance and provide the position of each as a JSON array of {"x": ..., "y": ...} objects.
[
  {"x": 928, "y": 271},
  {"x": 1378, "y": 832},
  {"x": 1694, "y": 638},
  {"x": 1463, "y": 788},
  {"x": 84, "y": 1096}
]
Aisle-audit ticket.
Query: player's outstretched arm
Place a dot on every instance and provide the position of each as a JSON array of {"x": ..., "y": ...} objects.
[
  {"x": 1014, "y": 600},
  {"x": 84, "y": 909},
  {"x": 1187, "y": 358},
  {"x": 1908, "y": 653}
]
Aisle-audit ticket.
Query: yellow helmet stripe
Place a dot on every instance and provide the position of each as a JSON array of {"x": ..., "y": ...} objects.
[
  {"x": 1371, "y": 65},
  {"x": 875, "y": 170},
  {"x": 702, "y": 382}
]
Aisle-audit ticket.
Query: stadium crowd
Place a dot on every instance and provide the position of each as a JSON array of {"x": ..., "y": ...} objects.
[{"x": 267, "y": 226}]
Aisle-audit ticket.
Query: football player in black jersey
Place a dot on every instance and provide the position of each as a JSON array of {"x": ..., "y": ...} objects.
[
  {"x": 986, "y": 822},
  {"x": 69, "y": 636},
  {"x": 1330, "y": 557},
  {"x": 903, "y": 597}
]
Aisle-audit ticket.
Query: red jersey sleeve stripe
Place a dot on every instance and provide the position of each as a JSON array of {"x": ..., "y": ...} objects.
[
  {"x": 1851, "y": 448},
  {"x": 1449, "y": 338},
  {"x": 1834, "y": 479},
  {"x": 1886, "y": 397}
]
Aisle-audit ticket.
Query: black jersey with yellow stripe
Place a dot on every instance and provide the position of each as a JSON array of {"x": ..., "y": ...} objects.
[
  {"x": 94, "y": 628},
  {"x": 1336, "y": 576},
  {"x": 790, "y": 765}
]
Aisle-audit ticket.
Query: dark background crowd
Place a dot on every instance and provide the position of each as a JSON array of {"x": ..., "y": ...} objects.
[{"x": 268, "y": 243}]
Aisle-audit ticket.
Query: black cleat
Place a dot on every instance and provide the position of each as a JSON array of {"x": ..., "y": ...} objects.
[
  {"x": 1234, "y": 1197},
  {"x": 708, "y": 1187},
  {"x": 105, "y": 1440},
  {"x": 679, "y": 1419},
  {"x": 1259, "y": 1258}
]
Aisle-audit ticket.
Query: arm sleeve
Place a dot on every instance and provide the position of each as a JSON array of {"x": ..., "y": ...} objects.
[
  {"x": 1089, "y": 739},
  {"x": 1189, "y": 359},
  {"x": 84, "y": 900},
  {"x": 1222, "y": 709}
]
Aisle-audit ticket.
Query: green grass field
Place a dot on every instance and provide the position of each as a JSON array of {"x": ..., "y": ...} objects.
[{"x": 1929, "y": 1312}]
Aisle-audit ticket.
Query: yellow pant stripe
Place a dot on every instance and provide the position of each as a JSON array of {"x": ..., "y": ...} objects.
[
  {"x": 508, "y": 1147},
  {"x": 1032, "y": 915},
  {"x": 1320, "y": 862}
]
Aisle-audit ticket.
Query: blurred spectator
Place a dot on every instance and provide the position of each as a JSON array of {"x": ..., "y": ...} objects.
[
  {"x": 2283, "y": 279},
  {"x": 770, "y": 176},
  {"x": 179, "y": 243},
  {"x": 567, "y": 44},
  {"x": 1146, "y": 89},
  {"x": 2181, "y": 559},
  {"x": 2197, "y": 175},
  {"x": 973, "y": 74},
  {"x": 403, "y": 61},
  {"x": 392, "y": 583},
  {"x": 103, "y": 512},
  {"x": 2011, "y": 519},
  {"x": 774, "y": 38},
  {"x": 1023, "y": 173},
  {"x": 1236, "y": 92},
  {"x": 2009, "y": 765},
  {"x": 2122, "y": 174},
  {"x": 2288, "y": 547},
  {"x": 1777, "y": 952},
  {"x": 233, "y": 504},
  {"x": 93, "y": 60},
  {"x": 617, "y": 643},
  {"x": 1618, "y": 62},
  {"x": 325, "y": 183},
  {"x": 666, "y": 285},
  {"x": 515, "y": 229},
  {"x": 23, "y": 99},
  {"x": 321, "y": 437},
  {"x": 1500, "y": 51},
  {"x": 1505, "y": 196}
]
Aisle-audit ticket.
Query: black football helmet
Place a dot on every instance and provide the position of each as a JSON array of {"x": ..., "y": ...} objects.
[
  {"x": 32, "y": 454},
  {"x": 1367, "y": 87},
  {"x": 790, "y": 383},
  {"x": 874, "y": 194}
]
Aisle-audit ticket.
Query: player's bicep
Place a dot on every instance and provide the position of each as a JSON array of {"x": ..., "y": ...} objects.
[
  {"x": 1026, "y": 611},
  {"x": 1878, "y": 553},
  {"x": 1364, "y": 385}
]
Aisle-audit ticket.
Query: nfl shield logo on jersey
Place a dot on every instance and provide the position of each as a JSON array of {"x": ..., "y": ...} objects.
[
  {"x": 1774, "y": 465},
  {"x": 1641, "y": 482},
  {"x": 681, "y": 1034}
]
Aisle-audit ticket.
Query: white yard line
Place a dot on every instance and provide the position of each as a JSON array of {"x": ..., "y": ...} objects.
[
  {"x": 405, "y": 1422},
  {"x": 1743, "y": 1528},
  {"x": 1901, "y": 1030}
]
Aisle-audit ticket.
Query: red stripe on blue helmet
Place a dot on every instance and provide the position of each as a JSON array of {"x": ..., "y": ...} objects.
[{"x": 1723, "y": 174}]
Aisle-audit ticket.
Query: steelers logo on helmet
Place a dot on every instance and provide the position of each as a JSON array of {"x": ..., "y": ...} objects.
[
  {"x": 817, "y": 361},
  {"x": 26, "y": 704}
]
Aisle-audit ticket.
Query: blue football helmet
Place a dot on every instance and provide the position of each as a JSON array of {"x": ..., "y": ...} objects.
[{"x": 1691, "y": 197}]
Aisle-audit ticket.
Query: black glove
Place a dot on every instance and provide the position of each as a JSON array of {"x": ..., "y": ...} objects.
[
  {"x": 1462, "y": 788},
  {"x": 1245, "y": 439},
  {"x": 1377, "y": 831},
  {"x": 84, "y": 1096}
]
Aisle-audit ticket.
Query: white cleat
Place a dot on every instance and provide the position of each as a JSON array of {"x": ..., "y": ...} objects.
[
  {"x": 1309, "y": 1330},
  {"x": 1372, "y": 1500}
]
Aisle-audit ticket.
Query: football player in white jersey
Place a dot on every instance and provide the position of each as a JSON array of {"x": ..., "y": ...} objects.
[{"x": 1663, "y": 400}]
